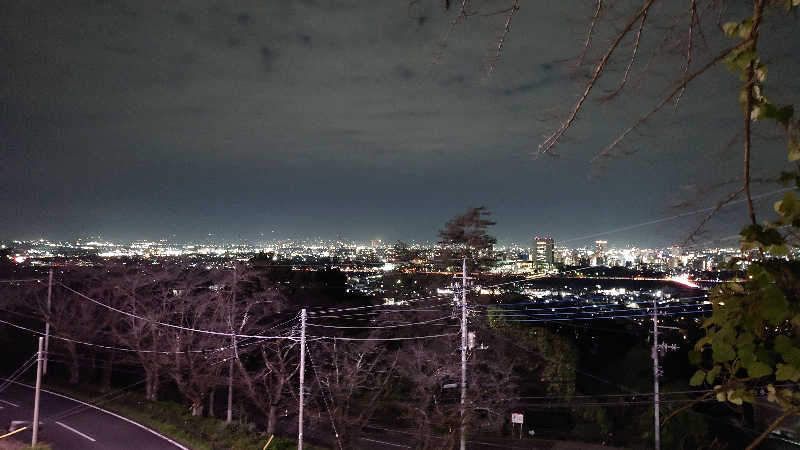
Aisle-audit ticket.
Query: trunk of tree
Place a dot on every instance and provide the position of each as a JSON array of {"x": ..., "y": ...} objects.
[
  {"x": 197, "y": 407},
  {"x": 105, "y": 376},
  {"x": 74, "y": 366},
  {"x": 211, "y": 403},
  {"x": 272, "y": 417},
  {"x": 151, "y": 384}
]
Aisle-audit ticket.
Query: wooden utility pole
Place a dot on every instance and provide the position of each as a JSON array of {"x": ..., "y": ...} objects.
[
  {"x": 463, "y": 443},
  {"x": 229, "y": 416},
  {"x": 302, "y": 378},
  {"x": 656, "y": 373},
  {"x": 37, "y": 394},
  {"x": 47, "y": 322}
]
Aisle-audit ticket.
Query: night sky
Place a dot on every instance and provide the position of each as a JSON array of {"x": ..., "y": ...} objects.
[{"x": 290, "y": 119}]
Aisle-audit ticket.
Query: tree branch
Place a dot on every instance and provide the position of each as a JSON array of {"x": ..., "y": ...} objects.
[
  {"x": 550, "y": 141},
  {"x": 606, "y": 151},
  {"x": 692, "y": 21},
  {"x": 708, "y": 216},
  {"x": 633, "y": 58},
  {"x": 590, "y": 32},
  {"x": 502, "y": 40},
  {"x": 788, "y": 413},
  {"x": 758, "y": 10}
]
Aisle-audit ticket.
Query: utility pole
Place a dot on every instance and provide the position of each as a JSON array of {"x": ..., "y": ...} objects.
[
  {"x": 302, "y": 377},
  {"x": 36, "y": 395},
  {"x": 658, "y": 348},
  {"x": 656, "y": 372},
  {"x": 229, "y": 417},
  {"x": 47, "y": 322},
  {"x": 463, "y": 443}
]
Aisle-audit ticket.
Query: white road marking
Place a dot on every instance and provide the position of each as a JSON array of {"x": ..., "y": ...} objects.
[
  {"x": 9, "y": 403},
  {"x": 76, "y": 431},
  {"x": 132, "y": 422},
  {"x": 385, "y": 443}
]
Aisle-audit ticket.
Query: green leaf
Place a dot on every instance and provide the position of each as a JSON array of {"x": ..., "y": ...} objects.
[
  {"x": 712, "y": 374},
  {"x": 722, "y": 352},
  {"x": 775, "y": 307},
  {"x": 792, "y": 356},
  {"x": 782, "y": 343},
  {"x": 695, "y": 357},
  {"x": 698, "y": 378},
  {"x": 758, "y": 369},
  {"x": 794, "y": 149},
  {"x": 787, "y": 372},
  {"x": 782, "y": 115},
  {"x": 745, "y": 28},
  {"x": 748, "y": 357},
  {"x": 730, "y": 29},
  {"x": 705, "y": 340},
  {"x": 735, "y": 397}
]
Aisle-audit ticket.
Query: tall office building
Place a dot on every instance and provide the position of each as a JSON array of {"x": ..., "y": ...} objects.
[
  {"x": 543, "y": 251},
  {"x": 600, "y": 247}
]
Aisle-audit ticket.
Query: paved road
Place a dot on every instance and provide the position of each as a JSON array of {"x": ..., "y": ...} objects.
[{"x": 86, "y": 428}]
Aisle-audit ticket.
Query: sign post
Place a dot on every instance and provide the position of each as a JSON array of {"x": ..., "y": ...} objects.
[{"x": 517, "y": 417}]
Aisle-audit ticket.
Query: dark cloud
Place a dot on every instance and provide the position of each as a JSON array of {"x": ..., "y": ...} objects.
[
  {"x": 139, "y": 118},
  {"x": 267, "y": 56}
]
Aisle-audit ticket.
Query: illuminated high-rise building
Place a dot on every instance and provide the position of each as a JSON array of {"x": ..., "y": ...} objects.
[
  {"x": 600, "y": 247},
  {"x": 543, "y": 251}
]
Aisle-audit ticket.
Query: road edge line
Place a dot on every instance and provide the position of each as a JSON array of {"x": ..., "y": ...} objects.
[{"x": 131, "y": 421}]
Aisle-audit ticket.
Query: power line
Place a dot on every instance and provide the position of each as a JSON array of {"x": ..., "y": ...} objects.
[
  {"x": 407, "y": 324},
  {"x": 324, "y": 400},
  {"x": 587, "y": 307},
  {"x": 616, "y": 316},
  {"x": 330, "y": 310},
  {"x": 336, "y": 338},
  {"x": 108, "y": 347},
  {"x": 677, "y": 216},
  {"x": 170, "y": 325},
  {"x": 615, "y": 312}
]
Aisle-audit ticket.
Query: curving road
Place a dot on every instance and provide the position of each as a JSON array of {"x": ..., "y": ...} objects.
[{"x": 69, "y": 424}]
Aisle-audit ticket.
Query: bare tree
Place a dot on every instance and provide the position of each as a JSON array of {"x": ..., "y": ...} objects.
[{"x": 352, "y": 378}]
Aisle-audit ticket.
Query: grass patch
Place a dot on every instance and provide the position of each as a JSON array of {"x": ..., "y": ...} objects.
[
  {"x": 173, "y": 420},
  {"x": 11, "y": 444}
]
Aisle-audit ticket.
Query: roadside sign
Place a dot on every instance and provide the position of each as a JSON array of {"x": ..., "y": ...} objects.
[{"x": 517, "y": 417}]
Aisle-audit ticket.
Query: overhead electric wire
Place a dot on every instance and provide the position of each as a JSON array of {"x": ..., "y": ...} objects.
[
  {"x": 324, "y": 400},
  {"x": 354, "y": 308},
  {"x": 337, "y": 338},
  {"x": 108, "y": 347},
  {"x": 97, "y": 401},
  {"x": 584, "y": 307},
  {"x": 605, "y": 317},
  {"x": 677, "y": 216},
  {"x": 360, "y": 316},
  {"x": 408, "y": 324},
  {"x": 170, "y": 325},
  {"x": 540, "y": 304},
  {"x": 28, "y": 363},
  {"x": 587, "y": 311}
]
